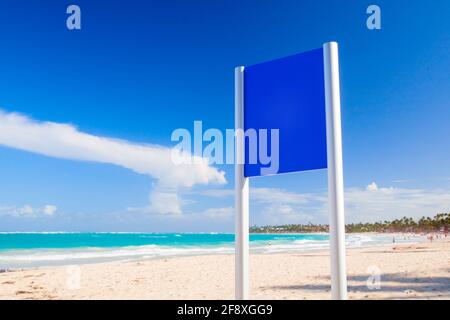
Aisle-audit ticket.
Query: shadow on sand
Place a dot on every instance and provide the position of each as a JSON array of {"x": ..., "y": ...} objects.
[{"x": 428, "y": 287}]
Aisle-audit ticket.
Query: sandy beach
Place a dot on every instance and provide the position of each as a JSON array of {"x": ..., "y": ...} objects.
[{"x": 407, "y": 271}]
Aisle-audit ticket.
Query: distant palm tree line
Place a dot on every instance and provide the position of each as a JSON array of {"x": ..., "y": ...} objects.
[{"x": 440, "y": 222}]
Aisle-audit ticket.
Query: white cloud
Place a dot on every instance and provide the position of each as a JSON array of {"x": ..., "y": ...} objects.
[
  {"x": 279, "y": 213},
  {"x": 271, "y": 195},
  {"x": 263, "y": 195},
  {"x": 27, "y": 211},
  {"x": 165, "y": 202},
  {"x": 389, "y": 203},
  {"x": 67, "y": 142},
  {"x": 372, "y": 187},
  {"x": 215, "y": 193},
  {"x": 49, "y": 210},
  {"x": 219, "y": 213},
  {"x": 275, "y": 205},
  {"x": 369, "y": 204}
]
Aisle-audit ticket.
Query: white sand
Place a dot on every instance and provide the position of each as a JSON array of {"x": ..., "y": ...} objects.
[{"x": 418, "y": 271}]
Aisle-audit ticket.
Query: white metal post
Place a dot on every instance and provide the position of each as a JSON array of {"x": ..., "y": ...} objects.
[
  {"x": 335, "y": 171},
  {"x": 241, "y": 193}
]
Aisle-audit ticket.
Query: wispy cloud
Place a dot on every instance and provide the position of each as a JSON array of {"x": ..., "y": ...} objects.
[
  {"x": 276, "y": 195},
  {"x": 219, "y": 213},
  {"x": 66, "y": 142},
  {"x": 263, "y": 195},
  {"x": 280, "y": 213},
  {"x": 27, "y": 211},
  {"x": 363, "y": 204},
  {"x": 379, "y": 203}
]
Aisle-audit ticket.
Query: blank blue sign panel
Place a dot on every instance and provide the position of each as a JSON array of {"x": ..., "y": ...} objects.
[{"x": 288, "y": 94}]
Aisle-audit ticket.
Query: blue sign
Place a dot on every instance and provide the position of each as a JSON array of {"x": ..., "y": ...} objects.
[{"x": 288, "y": 94}]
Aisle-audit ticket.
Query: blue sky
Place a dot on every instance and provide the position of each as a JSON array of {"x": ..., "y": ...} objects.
[{"x": 136, "y": 71}]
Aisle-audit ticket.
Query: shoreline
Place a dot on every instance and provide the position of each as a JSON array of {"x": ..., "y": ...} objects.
[
  {"x": 193, "y": 251},
  {"x": 287, "y": 251},
  {"x": 407, "y": 271}
]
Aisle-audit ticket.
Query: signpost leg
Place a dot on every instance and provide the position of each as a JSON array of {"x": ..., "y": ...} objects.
[
  {"x": 241, "y": 194},
  {"x": 335, "y": 172}
]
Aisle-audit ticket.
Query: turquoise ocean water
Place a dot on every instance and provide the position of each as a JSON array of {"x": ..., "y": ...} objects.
[{"x": 23, "y": 250}]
